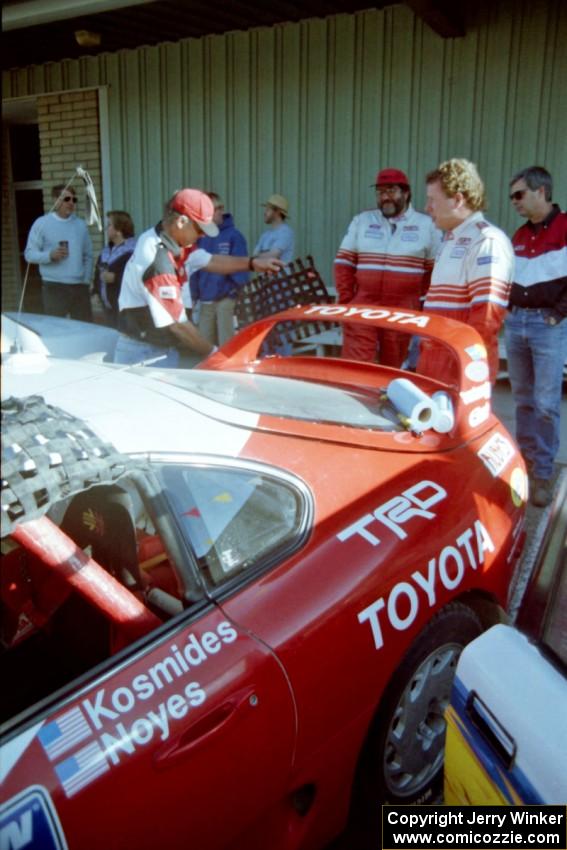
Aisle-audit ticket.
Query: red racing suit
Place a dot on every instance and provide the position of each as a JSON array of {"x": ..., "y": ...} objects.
[
  {"x": 384, "y": 261},
  {"x": 471, "y": 283}
]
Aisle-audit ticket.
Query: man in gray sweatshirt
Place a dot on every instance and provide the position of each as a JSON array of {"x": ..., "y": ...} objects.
[{"x": 60, "y": 244}]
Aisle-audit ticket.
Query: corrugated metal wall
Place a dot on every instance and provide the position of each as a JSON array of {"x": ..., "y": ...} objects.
[{"x": 311, "y": 110}]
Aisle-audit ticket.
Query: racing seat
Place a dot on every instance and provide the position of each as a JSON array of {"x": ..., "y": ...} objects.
[
  {"x": 101, "y": 518},
  {"x": 49, "y": 630}
]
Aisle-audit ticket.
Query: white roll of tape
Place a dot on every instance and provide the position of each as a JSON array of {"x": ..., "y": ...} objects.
[
  {"x": 412, "y": 403},
  {"x": 444, "y": 414}
]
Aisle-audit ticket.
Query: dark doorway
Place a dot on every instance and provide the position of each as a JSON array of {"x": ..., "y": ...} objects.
[
  {"x": 29, "y": 206},
  {"x": 26, "y": 176}
]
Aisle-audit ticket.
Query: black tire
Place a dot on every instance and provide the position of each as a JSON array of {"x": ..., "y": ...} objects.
[{"x": 402, "y": 762}]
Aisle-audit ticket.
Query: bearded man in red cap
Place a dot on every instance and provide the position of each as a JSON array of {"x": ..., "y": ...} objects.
[
  {"x": 385, "y": 258},
  {"x": 155, "y": 293}
]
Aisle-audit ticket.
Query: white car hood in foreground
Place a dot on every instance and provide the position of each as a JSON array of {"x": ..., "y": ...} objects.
[{"x": 130, "y": 407}]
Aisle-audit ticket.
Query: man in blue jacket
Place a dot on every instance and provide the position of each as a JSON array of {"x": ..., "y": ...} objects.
[{"x": 216, "y": 293}]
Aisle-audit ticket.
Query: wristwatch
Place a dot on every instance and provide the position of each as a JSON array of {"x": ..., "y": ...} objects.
[{"x": 251, "y": 263}]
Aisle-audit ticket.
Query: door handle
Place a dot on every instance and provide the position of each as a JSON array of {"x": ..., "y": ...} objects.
[
  {"x": 205, "y": 728},
  {"x": 491, "y": 729}
]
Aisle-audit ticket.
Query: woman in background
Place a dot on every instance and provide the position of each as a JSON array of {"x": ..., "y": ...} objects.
[{"x": 112, "y": 261}]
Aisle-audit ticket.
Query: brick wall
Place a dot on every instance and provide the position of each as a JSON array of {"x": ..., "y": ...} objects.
[{"x": 69, "y": 136}]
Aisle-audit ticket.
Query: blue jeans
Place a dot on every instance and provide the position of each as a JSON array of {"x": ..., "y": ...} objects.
[
  {"x": 536, "y": 351},
  {"x": 132, "y": 352}
]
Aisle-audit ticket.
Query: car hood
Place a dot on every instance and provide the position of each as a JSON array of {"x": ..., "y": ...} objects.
[
  {"x": 129, "y": 407},
  {"x": 142, "y": 409},
  {"x": 57, "y": 337}
]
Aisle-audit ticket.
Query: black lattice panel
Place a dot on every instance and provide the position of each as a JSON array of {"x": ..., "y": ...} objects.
[
  {"x": 47, "y": 455},
  {"x": 269, "y": 294}
]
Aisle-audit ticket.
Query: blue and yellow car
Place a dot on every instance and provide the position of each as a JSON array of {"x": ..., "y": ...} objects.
[{"x": 507, "y": 720}]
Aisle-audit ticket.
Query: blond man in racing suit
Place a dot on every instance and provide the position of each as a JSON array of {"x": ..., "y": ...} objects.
[{"x": 474, "y": 269}]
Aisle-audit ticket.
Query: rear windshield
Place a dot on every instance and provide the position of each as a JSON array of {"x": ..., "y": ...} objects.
[{"x": 292, "y": 399}]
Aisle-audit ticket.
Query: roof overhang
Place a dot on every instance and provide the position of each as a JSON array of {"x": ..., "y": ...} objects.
[{"x": 43, "y": 31}]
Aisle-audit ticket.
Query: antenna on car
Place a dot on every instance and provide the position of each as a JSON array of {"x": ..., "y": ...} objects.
[{"x": 93, "y": 214}]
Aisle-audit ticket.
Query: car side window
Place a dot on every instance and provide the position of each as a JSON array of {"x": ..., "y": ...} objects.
[{"x": 234, "y": 519}]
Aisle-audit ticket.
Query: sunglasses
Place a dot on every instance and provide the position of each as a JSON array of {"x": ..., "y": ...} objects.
[
  {"x": 68, "y": 198},
  {"x": 517, "y": 196}
]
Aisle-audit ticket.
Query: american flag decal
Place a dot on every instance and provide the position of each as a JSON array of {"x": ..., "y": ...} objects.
[
  {"x": 81, "y": 768},
  {"x": 65, "y": 732}
]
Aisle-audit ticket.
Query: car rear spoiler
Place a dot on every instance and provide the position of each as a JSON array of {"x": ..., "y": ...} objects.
[{"x": 470, "y": 396}]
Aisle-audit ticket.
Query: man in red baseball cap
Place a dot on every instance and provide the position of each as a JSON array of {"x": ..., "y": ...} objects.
[
  {"x": 385, "y": 258},
  {"x": 391, "y": 202},
  {"x": 155, "y": 294}
]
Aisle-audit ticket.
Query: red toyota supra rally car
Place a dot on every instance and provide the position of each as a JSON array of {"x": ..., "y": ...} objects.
[{"x": 233, "y": 597}]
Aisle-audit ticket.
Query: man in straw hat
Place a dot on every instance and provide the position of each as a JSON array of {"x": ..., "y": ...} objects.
[{"x": 279, "y": 240}]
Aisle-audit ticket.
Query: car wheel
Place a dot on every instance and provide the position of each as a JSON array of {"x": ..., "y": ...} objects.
[{"x": 403, "y": 758}]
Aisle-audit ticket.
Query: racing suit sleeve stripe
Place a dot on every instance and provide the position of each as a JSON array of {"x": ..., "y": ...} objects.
[{"x": 163, "y": 295}]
